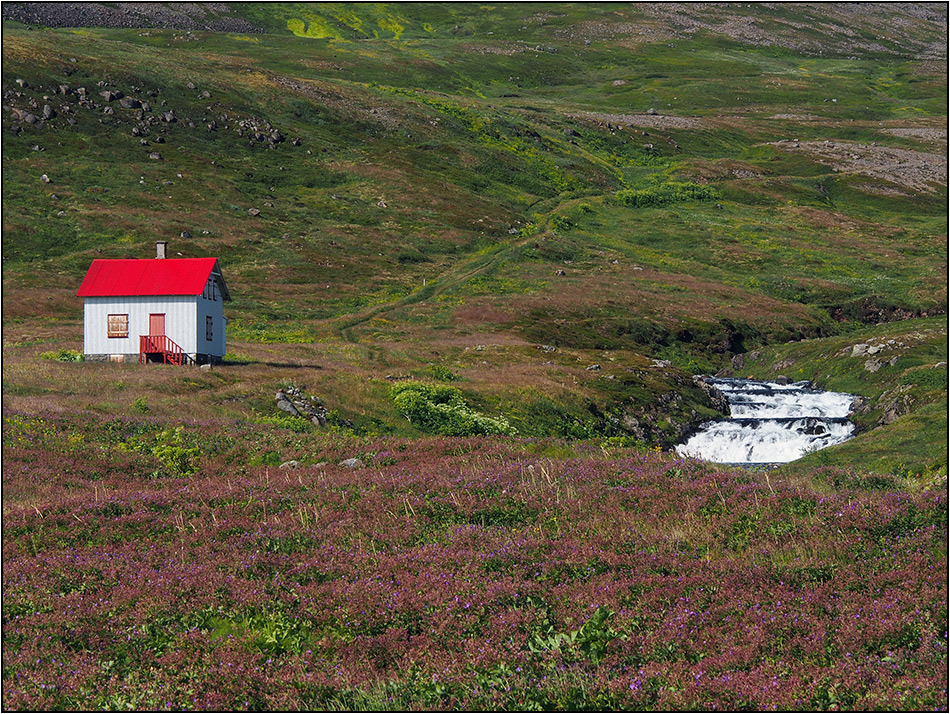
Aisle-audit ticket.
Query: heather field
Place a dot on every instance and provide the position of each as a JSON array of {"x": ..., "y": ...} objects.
[
  {"x": 149, "y": 567},
  {"x": 496, "y": 245}
]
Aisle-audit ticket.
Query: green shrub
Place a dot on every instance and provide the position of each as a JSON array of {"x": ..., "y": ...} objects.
[
  {"x": 665, "y": 193},
  {"x": 440, "y": 409},
  {"x": 442, "y": 373},
  {"x": 64, "y": 355}
]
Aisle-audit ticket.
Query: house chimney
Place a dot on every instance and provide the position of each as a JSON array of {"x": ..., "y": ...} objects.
[{"x": 161, "y": 247}]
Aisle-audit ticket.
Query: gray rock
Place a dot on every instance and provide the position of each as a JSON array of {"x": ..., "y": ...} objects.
[
  {"x": 284, "y": 403},
  {"x": 292, "y": 464},
  {"x": 738, "y": 361},
  {"x": 130, "y": 103},
  {"x": 253, "y": 212},
  {"x": 594, "y": 368},
  {"x": 48, "y": 112},
  {"x": 184, "y": 234},
  {"x": 45, "y": 179},
  {"x": 155, "y": 155},
  {"x": 859, "y": 350},
  {"x": 782, "y": 379},
  {"x": 351, "y": 464}
]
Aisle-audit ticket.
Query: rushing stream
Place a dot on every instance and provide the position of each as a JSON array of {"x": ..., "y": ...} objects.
[{"x": 771, "y": 423}]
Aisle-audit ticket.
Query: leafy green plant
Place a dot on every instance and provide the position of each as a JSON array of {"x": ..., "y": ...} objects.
[
  {"x": 440, "y": 409},
  {"x": 442, "y": 373},
  {"x": 64, "y": 355},
  {"x": 665, "y": 193},
  {"x": 140, "y": 405}
]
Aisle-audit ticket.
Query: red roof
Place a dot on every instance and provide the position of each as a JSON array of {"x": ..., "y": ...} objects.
[{"x": 165, "y": 276}]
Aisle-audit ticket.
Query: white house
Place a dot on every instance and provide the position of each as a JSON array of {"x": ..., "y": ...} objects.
[{"x": 158, "y": 310}]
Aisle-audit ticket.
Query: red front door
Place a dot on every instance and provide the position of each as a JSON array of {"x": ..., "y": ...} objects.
[{"x": 156, "y": 324}]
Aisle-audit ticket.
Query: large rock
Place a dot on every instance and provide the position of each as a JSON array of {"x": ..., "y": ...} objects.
[{"x": 716, "y": 397}]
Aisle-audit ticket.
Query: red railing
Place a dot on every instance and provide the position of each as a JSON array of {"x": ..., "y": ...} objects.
[{"x": 161, "y": 345}]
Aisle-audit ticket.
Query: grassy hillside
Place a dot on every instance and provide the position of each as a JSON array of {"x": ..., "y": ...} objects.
[{"x": 496, "y": 197}]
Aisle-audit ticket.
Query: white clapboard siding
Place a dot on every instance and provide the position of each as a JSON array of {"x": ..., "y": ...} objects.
[{"x": 180, "y": 323}]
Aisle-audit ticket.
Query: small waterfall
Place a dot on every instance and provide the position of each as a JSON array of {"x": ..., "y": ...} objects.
[{"x": 771, "y": 423}]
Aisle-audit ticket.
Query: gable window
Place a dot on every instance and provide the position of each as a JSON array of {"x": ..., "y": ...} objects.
[
  {"x": 209, "y": 324},
  {"x": 118, "y": 325}
]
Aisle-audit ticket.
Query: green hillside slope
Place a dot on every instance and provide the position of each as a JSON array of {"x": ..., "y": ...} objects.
[{"x": 505, "y": 197}]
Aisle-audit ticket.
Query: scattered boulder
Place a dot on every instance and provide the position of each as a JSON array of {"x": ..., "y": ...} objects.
[
  {"x": 738, "y": 361},
  {"x": 895, "y": 404},
  {"x": 782, "y": 380},
  {"x": 48, "y": 112},
  {"x": 155, "y": 155},
  {"x": 874, "y": 364},
  {"x": 351, "y": 463},
  {"x": 292, "y": 464},
  {"x": 130, "y": 103},
  {"x": 253, "y": 212},
  {"x": 45, "y": 179}
]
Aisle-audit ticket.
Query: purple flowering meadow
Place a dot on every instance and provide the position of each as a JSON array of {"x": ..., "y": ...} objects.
[{"x": 154, "y": 568}]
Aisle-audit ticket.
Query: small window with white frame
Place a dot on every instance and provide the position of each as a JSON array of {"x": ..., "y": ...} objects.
[{"x": 118, "y": 325}]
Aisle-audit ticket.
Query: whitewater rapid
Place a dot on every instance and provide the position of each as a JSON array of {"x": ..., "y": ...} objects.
[{"x": 771, "y": 423}]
